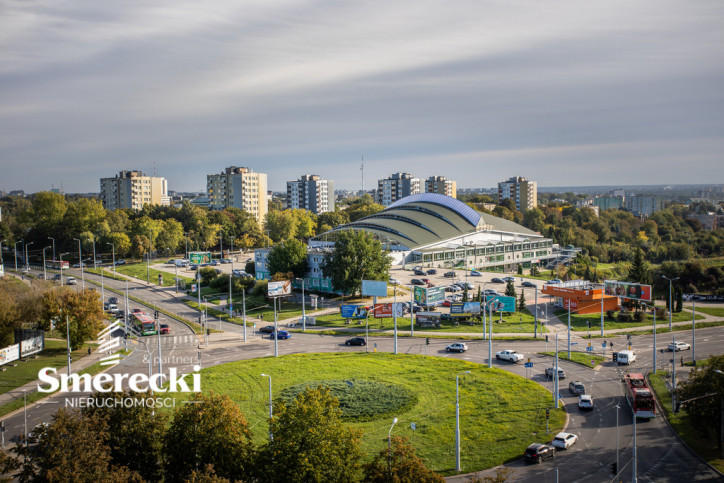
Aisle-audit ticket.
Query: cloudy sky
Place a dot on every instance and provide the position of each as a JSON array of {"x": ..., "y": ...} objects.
[{"x": 565, "y": 93}]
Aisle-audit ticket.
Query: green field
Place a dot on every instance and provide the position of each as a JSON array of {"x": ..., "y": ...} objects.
[
  {"x": 578, "y": 321},
  {"x": 500, "y": 413},
  {"x": 582, "y": 358},
  {"x": 715, "y": 311},
  {"x": 139, "y": 271}
]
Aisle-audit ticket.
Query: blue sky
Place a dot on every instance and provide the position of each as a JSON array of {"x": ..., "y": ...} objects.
[{"x": 565, "y": 93}]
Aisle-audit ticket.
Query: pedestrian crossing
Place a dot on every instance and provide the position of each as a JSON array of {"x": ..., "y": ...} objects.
[{"x": 171, "y": 340}]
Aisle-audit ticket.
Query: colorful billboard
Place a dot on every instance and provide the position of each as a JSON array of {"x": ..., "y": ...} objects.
[
  {"x": 429, "y": 295},
  {"x": 353, "y": 311},
  {"x": 9, "y": 354},
  {"x": 388, "y": 310},
  {"x": 199, "y": 257},
  {"x": 464, "y": 309},
  {"x": 501, "y": 303},
  {"x": 626, "y": 290},
  {"x": 374, "y": 288},
  {"x": 279, "y": 289}
]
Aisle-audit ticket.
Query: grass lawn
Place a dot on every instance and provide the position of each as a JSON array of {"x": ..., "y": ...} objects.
[
  {"x": 519, "y": 322},
  {"x": 578, "y": 321},
  {"x": 256, "y": 307},
  {"x": 582, "y": 358},
  {"x": 660, "y": 329},
  {"x": 500, "y": 413},
  {"x": 715, "y": 311},
  {"x": 707, "y": 448},
  {"x": 54, "y": 355},
  {"x": 139, "y": 270}
]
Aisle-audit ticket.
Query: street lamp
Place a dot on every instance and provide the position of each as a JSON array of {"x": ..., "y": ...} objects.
[
  {"x": 389, "y": 447},
  {"x": 51, "y": 238},
  {"x": 113, "y": 247},
  {"x": 148, "y": 258},
  {"x": 1, "y": 251},
  {"x": 61, "y": 268},
  {"x": 27, "y": 259},
  {"x": 671, "y": 307},
  {"x": 457, "y": 420},
  {"x": 45, "y": 271},
  {"x": 15, "y": 249},
  {"x": 80, "y": 260},
  {"x": 271, "y": 436},
  {"x": 304, "y": 314}
]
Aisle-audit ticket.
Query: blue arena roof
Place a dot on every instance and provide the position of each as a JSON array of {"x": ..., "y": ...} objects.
[{"x": 442, "y": 200}]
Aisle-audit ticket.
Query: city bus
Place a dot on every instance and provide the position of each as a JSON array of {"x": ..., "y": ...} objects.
[
  {"x": 639, "y": 396},
  {"x": 144, "y": 323},
  {"x": 56, "y": 264}
]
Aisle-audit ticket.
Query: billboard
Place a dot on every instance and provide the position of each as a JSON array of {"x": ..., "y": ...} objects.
[
  {"x": 353, "y": 311},
  {"x": 501, "y": 303},
  {"x": 279, "y": 289},
  {"x": 374, "y": 288},
  {"x": 429, "y": 295},
  {"x": 464, "y": 309},
  {"x": 199, "y": 257},
  {"x": 626, "y": 290},
  {"x": 31, "y": 346},
  {"x": 9, "y": 354},
  {"x": 388, "y": 310}
]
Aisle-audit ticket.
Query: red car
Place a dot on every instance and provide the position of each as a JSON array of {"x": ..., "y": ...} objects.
[
  {"x": 426, "y": 280},
  {"x": 446, "y": 303},
  {"x": 165, "y": 329}
]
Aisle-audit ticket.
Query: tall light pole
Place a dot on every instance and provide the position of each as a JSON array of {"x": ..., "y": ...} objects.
[
  {"x": 51, "y": 238},
  {"x": 61, "y": 268},
  {"x": 113, "y": 247},
  {"x": 186, "y": 236},
  {"x": 693, "y": 333},
  {"x": 67, "y": 334},
  {"x": 569, "y": 329},
  {"x": 27, "y": 259},
  {"x": 304, "y": 313},
  {"x": 394, "y": 316},
  {"x": 1, "y": 251},
  {"x": 94, "y": 254},
  {"x": 389, "y": 447},
  {"x": 80, "y": 260},
  {"x": 271, "y": 436},
  {"x": 671, "y": 307},
  {"x": 15, "y": 249},
  {"x": 457, "y": 420},
  {"x": 221, "y": 244},
  {"x": 148, "y": 258},
  {"x": 45, "y": 271}
]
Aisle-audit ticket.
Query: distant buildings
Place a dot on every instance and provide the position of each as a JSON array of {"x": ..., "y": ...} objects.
[
  {"x": 238, "y": 188},
  {"x": 644, "y": 205},
  {"x": 132, "y": 190},
  {"x": 441, "y": 185},
  {"x": 520, "y": 190},
  {"x": 609, "y": 202},
  {"x": 311, "y": 193},
  {"x": 396, "y": 187}
]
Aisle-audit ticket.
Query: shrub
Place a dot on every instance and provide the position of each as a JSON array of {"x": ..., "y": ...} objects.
[
  {"x": 638, "y": 316},
  {"x": 611, "y": 315},
  {"x": 624, "y": 317}
]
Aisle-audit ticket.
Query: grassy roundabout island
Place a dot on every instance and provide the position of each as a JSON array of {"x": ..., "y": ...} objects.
[{"x": 500, "y": 413}]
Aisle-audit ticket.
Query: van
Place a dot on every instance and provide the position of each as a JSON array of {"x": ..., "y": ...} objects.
[
  {"x": 112, "y": 307},
  {"x": 626, "y": 357},
  {"x": 181, "y": 263}
]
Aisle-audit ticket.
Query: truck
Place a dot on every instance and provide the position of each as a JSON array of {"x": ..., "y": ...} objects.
[
  {"x": 509, "y": 355},
  {"x": 624, "y": 357}
]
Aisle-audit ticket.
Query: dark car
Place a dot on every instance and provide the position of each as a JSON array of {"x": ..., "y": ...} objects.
[
  {"x": 419, "y": 272},
  {"x": 432, "y": 271},
  {"x": 497, "y": 280},
  {"x": 137, "y": 311},
  {"x": 538, "y": 452},
  {"x": 417, "y": 281},
  {"x": 508, "y": 279},
  {"x": 113, "y": 300},
  {"x": 449, "y": 274},
  {"x": 120, "y": 262},
  {"x": 528, "y": 284},
  {"x": 356, "y": 341},
  {"x": 165, "y": 329},
  {"x": 281, "y": 335},
  {"x": 267, "y": 329}
]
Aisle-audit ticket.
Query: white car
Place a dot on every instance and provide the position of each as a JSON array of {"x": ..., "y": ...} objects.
[
  {"x": 509, "y": 355},
  {"x": 394, "y": 281},
  {"x": 71, "y": 281},
  {"x": 585, "y": 401},
  {"x": 564, "y": 440},
  {"x": 457, "y": 347},
  {"x": 679, "y": 346}
]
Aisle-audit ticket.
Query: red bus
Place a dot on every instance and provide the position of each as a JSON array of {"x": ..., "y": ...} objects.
[
  {"x": 56, "y": 264},
  {"x": 639, "y": 396}
]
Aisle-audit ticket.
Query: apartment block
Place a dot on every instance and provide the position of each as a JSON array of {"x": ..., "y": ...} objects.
[
  {"x": 312, "y": 193},
  {"x": 238, "y": 188},
  {"x": 644, "y": 205},
  {"x": 522, "y": 191},
  {"x": 441, "y": 185},
  {"x": 609, "y": 202},
  {"x": 132, "y": 190},
  {"x": 396, "y": 187}
]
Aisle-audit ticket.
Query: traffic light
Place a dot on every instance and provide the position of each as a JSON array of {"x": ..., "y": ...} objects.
[
  {"x": 155, "y": 314},
  {"x": 427, "y": 341},
  {"x": 548, "y": 413},
  {"x": 614, "y": 469},
  {"x": 588, "y": 323}
]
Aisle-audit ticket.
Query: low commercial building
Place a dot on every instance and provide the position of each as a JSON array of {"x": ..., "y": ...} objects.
[{"x": 581, "y": 296}]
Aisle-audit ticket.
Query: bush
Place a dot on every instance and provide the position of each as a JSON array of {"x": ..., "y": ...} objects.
[
  {"x": 250, "y": 267},
  {"x": 260, "y": 288},
  {"x": 611, "y": 315},
  {"x": 624, "y": 317},
  {"x": 638, "y": 316},
  {"x": 661, "y": 313}
]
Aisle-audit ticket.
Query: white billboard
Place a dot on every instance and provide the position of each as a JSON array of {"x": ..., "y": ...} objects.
[
  {"x": 279, "y": 289},
  {"x": 31, "y": 346},
  {"x": 9, "y": 354}
]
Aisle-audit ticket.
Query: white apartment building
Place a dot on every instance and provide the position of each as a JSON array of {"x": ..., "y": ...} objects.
[
  {"x": 396, "y": 187},
  {"x": 238, "y": 188},
  {"x": 312, "y": 193},
  {"x": 132, "y": 190},
  {"x": 441, "y": 185}
]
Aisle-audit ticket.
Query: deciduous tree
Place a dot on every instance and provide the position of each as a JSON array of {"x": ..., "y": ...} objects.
[
  {"x": 288, "y": 256},
  {"x": 399, "y": 464},
  {"x": 81, "y": 309},
  {"x": 356, "y": 257}
]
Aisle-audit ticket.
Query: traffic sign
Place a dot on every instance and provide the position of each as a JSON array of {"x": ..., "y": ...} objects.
[
  {"x": 589, "y": 349},
  {"x": 593, "y": 363},
  {"x": 603, "y": 344},
  {"x": 528, "y": 364}
]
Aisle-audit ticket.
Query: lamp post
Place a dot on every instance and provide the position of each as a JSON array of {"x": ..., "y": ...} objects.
[
  {"x": 671, "y": 307},
  {"x": 304, "y": 313},
  {"x": 94, "y": 254},
  {"x": 45, "y": 271},
  {"x": 389, "y": 447},
  {"x": 569, "y": 329},
  {"x": 80, "y": 262},
  {"x": 67, "y": 334},
  {"x": 186, "y": 236},
  {"x": 113, "y": 247},
  {"x": 457, "y": 420},
  {"x": 16, "y": 254},
  {"x": 61, "y": 268},
  {"x": 27, "y": 259},
  {"x": 721, "y": 420},
  {"x": 51, "y": 238},
  {"x": 271, "y": 436},
  {"x": 394, "y": 316},
  {"x": 148, "y": 259},
  {"x": 1, "y": 251}
]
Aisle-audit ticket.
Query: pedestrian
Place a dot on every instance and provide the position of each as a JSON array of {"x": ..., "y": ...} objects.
[
  {"x": 682, "y": 361},
  {"x": 89, "y": 351}
]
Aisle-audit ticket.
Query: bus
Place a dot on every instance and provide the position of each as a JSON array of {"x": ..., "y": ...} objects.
[
  {"x": 144, "y": 323},
  {"x": 639, "y": 396},
  {"x": 57, "y": 264}
]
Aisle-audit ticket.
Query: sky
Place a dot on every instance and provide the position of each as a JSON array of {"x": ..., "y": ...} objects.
[{"x": 562, "y": 92}]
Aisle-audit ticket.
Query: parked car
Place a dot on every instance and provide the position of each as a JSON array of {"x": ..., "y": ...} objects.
[
  {"x": 457, "y": 347},
  {"x": 576, "y": 387},
  {"x": 113, "y": 300},
  {"x": 426, "y": 280},
  {"x": 224, "y": 260},
  {"x": 538, "y": 452},
  {"x": 165, "y": 329},
  {"x": 509, "y": 355},
  {"x": 550, "y": 372},
  {"x": 490, "y": 291},
  {"x": 393, "y": 281},
  {"x": 678, "y": 346},
  {"x": 281, "y": 335},
  {"x": 112, "y": 307},
  {"x": 564, "y": 440},
  {"x": 120, "y": 262},
  {"x": 37, "y": 432},
  {"x": 496, "y": 280},
  {"x": 267, "y": 329},
  {"x": 356, "y": 341},
  {"x": 585, "y": 401},
  {"x": 77, "y": 265},
  {"x": 218, "y": 271},
  {"x": 446, "y": 303},
  {"x": 528, "y": 284},
  {"x": 508, "y": 279},
  {"x": 475, "y": 273},
  {"x": 417, "y": 281},
  {"x": 555, "y": 281},
  {"x": 432, "y": 271},
  {"x": 71, "y": 281},
  {"x": 449, "y": 274},
  {"x": 463, "y": 285},
  {"x": 419, "y": 272},
  {"x": 215, "y": 263}
]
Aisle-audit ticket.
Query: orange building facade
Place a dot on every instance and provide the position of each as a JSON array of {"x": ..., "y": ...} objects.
[{"x": 582, "y": 299}]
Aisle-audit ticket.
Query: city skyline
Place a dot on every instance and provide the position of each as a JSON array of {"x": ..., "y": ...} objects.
[{"x": 562, "y": 93}]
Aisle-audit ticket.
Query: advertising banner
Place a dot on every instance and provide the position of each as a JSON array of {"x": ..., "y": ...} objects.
[
  {"x": 501, "y": 303},
  {"x": 279, "y": 289},
  {"x": 9, "y": 354},
  {"x": 388, "y": 310},
  {"x": 634, "y": 291},
  {"x": 199, "y": 257},
  {"x": 419, "y": 294},
  {"x": 428, "y": 319},
  {"x": 464, "y": 309},
  {"x": 429, "y": 296},
  {"x": 31, "y": 346},
  {"x": 353, "y": 311},
  {"x": 374, "y": 288}
]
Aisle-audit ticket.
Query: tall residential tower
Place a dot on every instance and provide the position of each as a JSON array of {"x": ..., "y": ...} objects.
[
  {"x": 238, "y": 188},
  {"x": 132, "y": 190},
  {"x": 520, "y": 190},
  {"x": 310, "y": 192}
]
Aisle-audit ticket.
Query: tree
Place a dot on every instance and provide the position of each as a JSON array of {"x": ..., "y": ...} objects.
[
  {"x": 399, "y": 464},
  {"x": 520, "y": 269},
  {"x": 534, "y": 271},
  {"x": 288, "y": 256},
  {"x": 311, "y": 443},
  {"x": 510, "y": 289},
  {"x": 79, "y": 308},
  {"x": 679, "y": 300},
  {"x": 639, "y": 271},
  {"x": 356, "y": 256},
  {"x": 331, "y": 219},
  {"x": 211, "y": 431},
  {"x": 521, "y": 302},
  {"x": 704, "y": 414}
]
